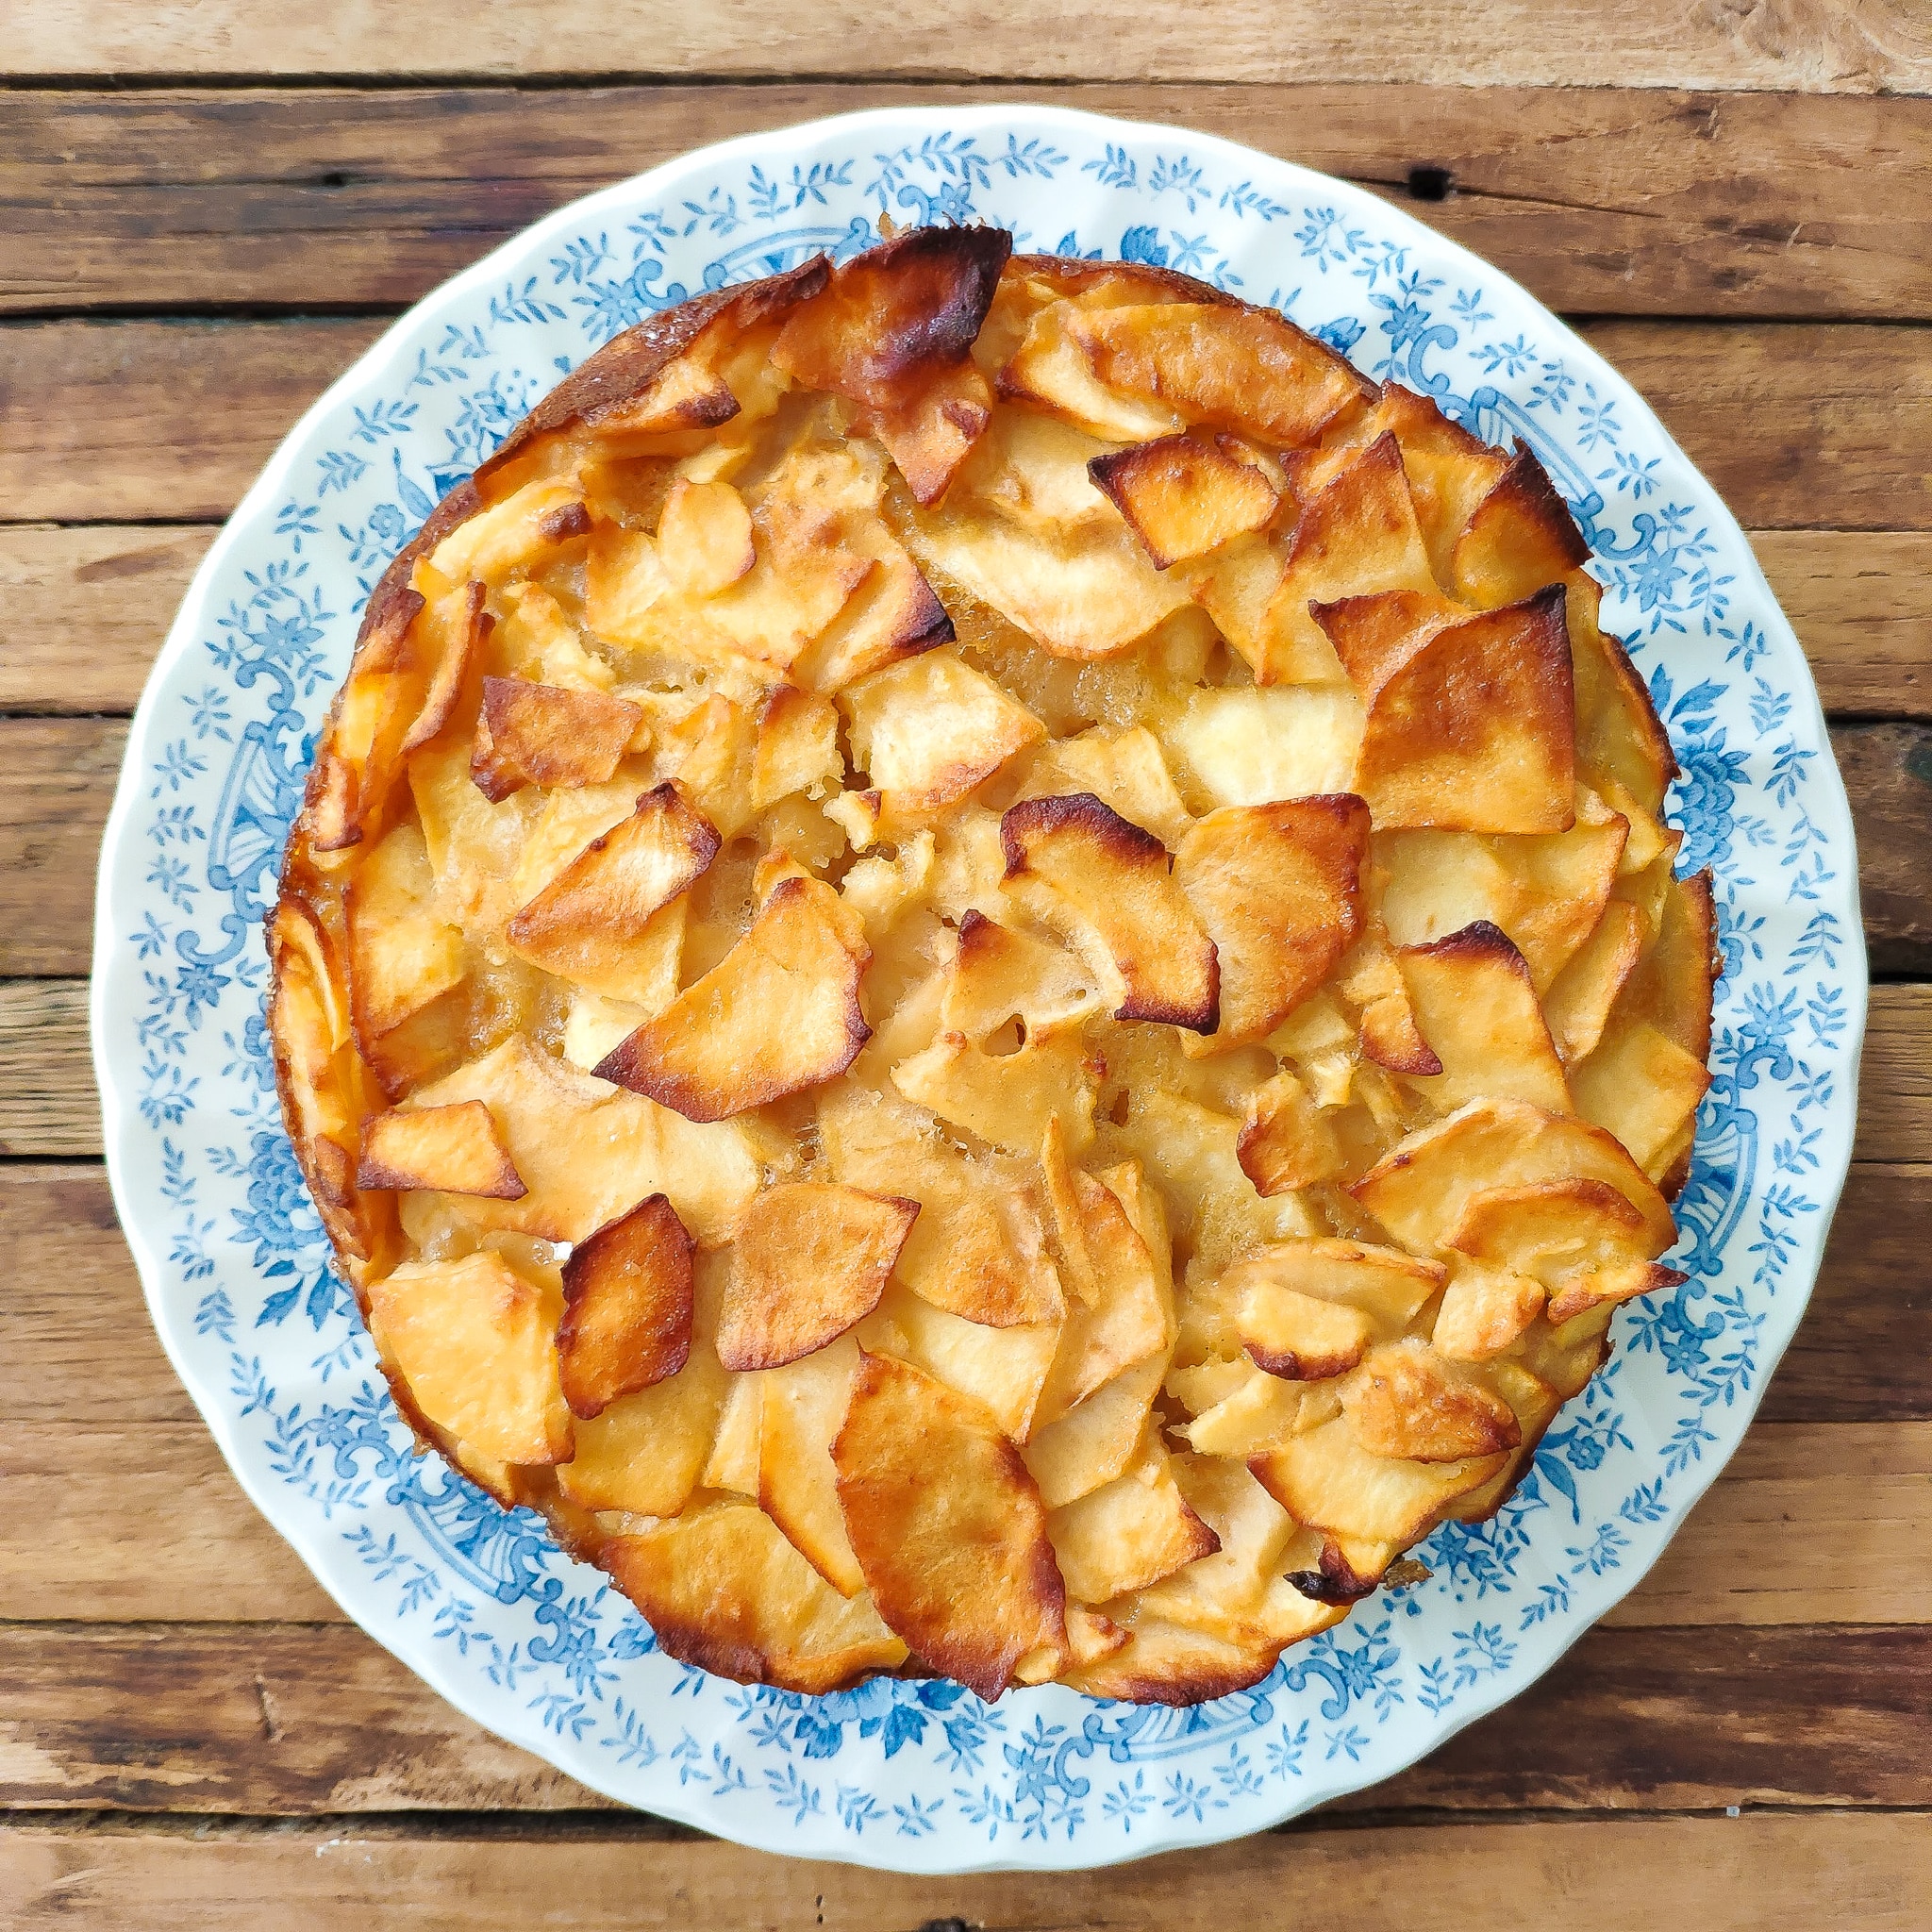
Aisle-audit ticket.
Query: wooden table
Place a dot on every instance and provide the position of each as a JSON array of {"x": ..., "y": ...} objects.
[{"x": 190, "y": 1733}]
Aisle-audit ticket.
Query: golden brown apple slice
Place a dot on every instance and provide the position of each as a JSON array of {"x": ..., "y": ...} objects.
[
  {"x": 1299, "y": 1336},
  {"x": 643, "y": 1456},
  {"x": 1476, "y": 732},
  {"x": 1246, "y": 369},
  {"x": 1476, "y": 1006},
  {"x": 475, "y": 1344},
  {"x": 1485, "y": 1310},
  {"x": 1183, "y": 496},
  {"x": 1418, "y": 1189},
  {"x": 1621, "y": 740},
  {"x": 810, "y": 1261},
  {"x": 1449, "y": 470},
  {"x": 456, "y": 1149},
  {"x": 599, "y": 923},
  {"x": 704, "y": 537},
  {"x": 999, "y": 973},
  {"x": 1327, "y": 1480},
  {"x": 1578, "y": 1004},
  {"x": 949, "y": 1530},
  {"x": 1519, "y": 539},
  {"x": 1371, "y": 981},
  {"x": 1286, "y": 1142},
  {"x": 544, "y": 734},
  {"x": 1645, "y": 1088},
  {"x": 797, "y": 747},
  {"x": 1051, "y": 366},
  {"x": 1073, "y": 862},
  {"x": 627, "y": 1308},
  {"x": 1218, "y": 1592},
  {"x": 779, "y": 1012},
  {"x": 528, "y": 526},
  {"x": 725, "y": 1590},
  {"x": 1128, "y": 1533},
  {"x": 1276, "y": 888},
  {"x": 1260, "y": 1414},
  {"x": 929, "y": 729},
  {"x": 1356, "y": 535},
  {"x": 1407, "y": 1401},
  {"x": 891, "y": 616}
]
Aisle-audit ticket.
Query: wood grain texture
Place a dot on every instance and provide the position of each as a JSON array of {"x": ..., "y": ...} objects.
[
  {"x": 1800, "y": 425},
  {"x": 1860, "y": 1490},
  {"x": 56, "y": 783},
  {"x": 280, "y": 1720},
  {"x": 49, "y": 1105},
  {"x": 1766, "y": 1871},
  {"x": 1812, "y": 45},
  {"x": 1602, "y": 201},
  {"x": 86, "y": 610},
  {"x": 88, "y": 607}
]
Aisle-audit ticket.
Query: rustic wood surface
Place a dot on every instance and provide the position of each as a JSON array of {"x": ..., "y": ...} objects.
[{"x": 212, "y": 207}]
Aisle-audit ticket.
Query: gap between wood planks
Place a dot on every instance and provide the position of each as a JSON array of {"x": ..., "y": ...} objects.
[
  {"x": 1812, "y": 45},
  {"x": 1605, "y": 201},
  {"x": 89, "y": 604},
  {"x": 1798, "y": 425}
]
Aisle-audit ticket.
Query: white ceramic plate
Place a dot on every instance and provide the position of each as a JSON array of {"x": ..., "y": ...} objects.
[{"x": 923, "y": 1776}]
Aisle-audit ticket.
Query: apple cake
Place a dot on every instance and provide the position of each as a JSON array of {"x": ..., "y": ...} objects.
[{"x": 982, "y": 972}]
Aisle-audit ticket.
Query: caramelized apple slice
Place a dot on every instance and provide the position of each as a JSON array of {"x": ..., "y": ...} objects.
[
  {"x": 627, "y": 1308},
  {"x": 456, "y": 1149},
  {"x": 544, "y": 734}
]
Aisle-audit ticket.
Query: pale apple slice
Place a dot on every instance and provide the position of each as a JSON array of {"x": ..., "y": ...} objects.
[
  {"x": 1183, "y": 496},
  {"x": 526, "y": 528},
  {"x": 1407, "y": 1401},
  {"x": 1006, "y": 1099},
  {"x": 1622, "y": 739},
  {"x": 1547, "y": 892},
  {"x": 800, "y": 1412},
  {"x": 1220, "y": 1590},
  {"x": 810, "y": 1261},
  {"x": 627, "y": 1308},
  {"x": 999, "y": 973},
  {"x": 1285, "y": 1142},
  {"x": 587, "y": 1151},
  {"x": 726, "y": 1592},
  {"x": 929, "y": 729},
  {"x": 600, "y": 922},
  {"x": 892, "y": 615},
  {"x": 1418, "y": 1188},
  {"x": 1388, "y": 1285},
  {"x": 1371, "y": 981},
  {"x": 1476, "y": 731},
  {"x": 403, "y": 958},
  {"x": 1300, "y": 1337},
  {"x": 1476, "y": 1006},
  {"x": 474, "y": 1343},
  {"x": 1002, "y": 1369},
  {"x": 1450, "y": 471},
  {"x": 779, "y": 1012},
  {"x": 1095, "y": 1440},
  {"x": 546, "y": 734},
  {"x": 1075, "y": 863},
  {"x": 1251, "y": 744},
  {"x": 1260, "y": 1414},
  {"x": 977, "y": 1248},
  {"x": 645, "y": 1454},
  {"x": 1277, "y": 889},
  {"x": 949, "y": 1529},
  {"x": 733, "y": 1463},
  {"x": 797, "y": 747},
  {"x": 1128, "y": 1533},
  {"x": 1124, "y": 770},
  {"x": 1327, "y": 1480},
  {"x": 1578, "y": 1004},
  {"x": 1485, "y": 1310},
  {"x": 456, "y": 1149},
  {"x": 704, "y": 537}
]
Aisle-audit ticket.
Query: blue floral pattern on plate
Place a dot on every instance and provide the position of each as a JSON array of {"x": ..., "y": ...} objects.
[{"x": 922, "y": 1775}]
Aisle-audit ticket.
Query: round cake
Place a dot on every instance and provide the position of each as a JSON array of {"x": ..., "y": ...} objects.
[{"x": 982, "y": 972}]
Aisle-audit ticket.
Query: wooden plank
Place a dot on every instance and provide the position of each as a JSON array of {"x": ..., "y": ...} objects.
[
  {"x": 1765, "y": 1871},
  {"x": 1801, "y": 425},
  {"x": 49, "y": 1105},
  {"x": 1603, "y": 201},
  {"x": 56, "y": 782},
  {"x": 1813, "y": 45},
  {"x": 88, "y": 606},
  {"x": 86, "y": 610},
  {"x": 206, "y": 1555},
  {"x": 286, "y": 1720}
]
